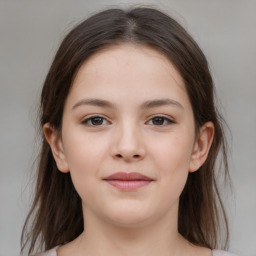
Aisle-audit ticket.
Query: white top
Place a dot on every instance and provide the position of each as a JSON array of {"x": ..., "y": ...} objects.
[
  {"x": 222, "y": 253},
  {"x": 53, "y": 252}
]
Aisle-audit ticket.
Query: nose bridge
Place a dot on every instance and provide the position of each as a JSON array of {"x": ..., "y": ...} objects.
[{"x": 128, "y": 142}]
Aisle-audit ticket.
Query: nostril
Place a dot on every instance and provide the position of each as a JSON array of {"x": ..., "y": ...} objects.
[
  {"x": 119, "y": 155},
  {"x": 136, "y": 156}
]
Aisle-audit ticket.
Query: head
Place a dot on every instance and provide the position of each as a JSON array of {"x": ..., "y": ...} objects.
[{"x": 59, "y": 205}]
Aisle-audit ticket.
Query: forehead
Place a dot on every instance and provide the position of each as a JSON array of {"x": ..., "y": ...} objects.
[
  {"x": 116, "y": 61},
  {"x": 128, "y": 72}
]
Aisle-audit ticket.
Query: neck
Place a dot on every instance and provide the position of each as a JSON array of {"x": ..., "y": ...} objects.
[{"x": 159, "y": 238}]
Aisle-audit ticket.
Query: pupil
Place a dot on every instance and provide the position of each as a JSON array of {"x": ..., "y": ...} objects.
[
  {"x": 97, "y": 120},
  {"x": 158, "y": 120}
]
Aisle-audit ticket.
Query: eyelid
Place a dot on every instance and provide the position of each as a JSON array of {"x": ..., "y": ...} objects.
[
  {"x": 169, "y": 119},
  {"x": 85, "y": 120}
]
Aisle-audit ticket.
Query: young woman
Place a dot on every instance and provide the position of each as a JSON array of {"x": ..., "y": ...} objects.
[{"x": 129, "y": 144}]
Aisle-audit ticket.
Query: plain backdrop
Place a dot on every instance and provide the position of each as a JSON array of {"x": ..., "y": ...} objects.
[{"x": 30, "y": 32}]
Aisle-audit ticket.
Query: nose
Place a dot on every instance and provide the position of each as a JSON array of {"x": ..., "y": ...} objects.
[{"x": 128, "y": 144}]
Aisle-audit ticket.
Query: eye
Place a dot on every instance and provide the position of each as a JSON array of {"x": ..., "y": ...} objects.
[
  {"x": 95, "y": 121},
  {"x": 160, "y": 121}
]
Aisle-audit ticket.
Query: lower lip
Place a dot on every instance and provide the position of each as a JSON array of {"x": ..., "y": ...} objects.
[{"x": 128, "y": 185}]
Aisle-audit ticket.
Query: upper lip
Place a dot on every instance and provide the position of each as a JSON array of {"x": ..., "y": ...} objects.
[{"x": 127, "y": 176}]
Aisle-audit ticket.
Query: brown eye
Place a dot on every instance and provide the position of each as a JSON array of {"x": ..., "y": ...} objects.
[
  {"x": 160, "y": 120},
  {"x": 94, "y": 121}
]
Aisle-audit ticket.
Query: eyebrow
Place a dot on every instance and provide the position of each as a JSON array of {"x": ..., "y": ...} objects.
[
  {"x": 93, "y": 102},
  {"x": 161, "y": 102},
  {"x": 145, "y": 105}
]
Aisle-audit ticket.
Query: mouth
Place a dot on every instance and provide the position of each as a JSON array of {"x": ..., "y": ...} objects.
[{"x": 128, "y": 181}]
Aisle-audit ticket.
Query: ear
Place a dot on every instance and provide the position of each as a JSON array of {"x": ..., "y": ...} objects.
[
  {"x": 202, "y": 146},
  {"x": 55, "y": 142}
]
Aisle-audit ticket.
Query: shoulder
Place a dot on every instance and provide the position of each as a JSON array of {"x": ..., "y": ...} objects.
[
  {"x": 52, "y": 252},
  {"x": 222, "y": 253}
]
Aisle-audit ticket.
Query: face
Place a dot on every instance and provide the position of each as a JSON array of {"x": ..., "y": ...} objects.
[{"x": 128, "y": 136}]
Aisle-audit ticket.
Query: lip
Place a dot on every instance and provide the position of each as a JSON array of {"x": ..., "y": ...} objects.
[{"x": 128, "y": 181}]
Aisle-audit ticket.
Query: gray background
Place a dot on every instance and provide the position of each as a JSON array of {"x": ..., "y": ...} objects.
[{"x": 30, "y": 32}]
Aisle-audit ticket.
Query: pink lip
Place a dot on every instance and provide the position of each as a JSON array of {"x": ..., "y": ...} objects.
[{"x": 128, "y": 181}]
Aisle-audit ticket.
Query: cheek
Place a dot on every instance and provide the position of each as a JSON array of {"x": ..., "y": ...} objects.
[
  {"x": 84, "y": 151},
  {"x": 84, "y": 155},
  {"x": 173, "y": 154},
  {"x": 172, "y": 160}
]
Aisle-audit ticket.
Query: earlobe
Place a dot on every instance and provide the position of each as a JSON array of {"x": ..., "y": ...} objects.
[
  {"x": 202, "y": 146},
  {"x": 54, "y": 140}
]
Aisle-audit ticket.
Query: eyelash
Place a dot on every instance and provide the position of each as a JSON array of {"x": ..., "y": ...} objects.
[
  {"x": 167, "y": 120},
  {"x": 88, "y": 121}
]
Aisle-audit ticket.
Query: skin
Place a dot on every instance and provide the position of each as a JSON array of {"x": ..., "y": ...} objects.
[{"x": 128, "y": 137}]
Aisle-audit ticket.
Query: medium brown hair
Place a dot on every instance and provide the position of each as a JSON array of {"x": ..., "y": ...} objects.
[{"x": 56, "y": 214}]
